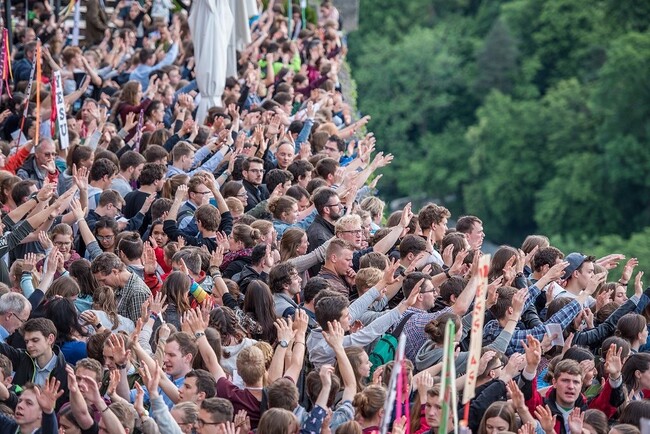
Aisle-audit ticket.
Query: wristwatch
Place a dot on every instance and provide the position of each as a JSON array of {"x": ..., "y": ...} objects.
[
  {"x": 199, "y": 334},
  {"x": 35, "y": 197},
  {"x": 284, "y": 344}
]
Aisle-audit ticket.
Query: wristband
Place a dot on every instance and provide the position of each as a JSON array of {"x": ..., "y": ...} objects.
[
  {"x": 104, "y": 410},
  {"x": 154, "y": 316},
  {"x": 98, "y": 326}
]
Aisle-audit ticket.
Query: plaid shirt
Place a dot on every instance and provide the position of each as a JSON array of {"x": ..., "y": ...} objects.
[
  {"x": 563, "y": 317},
  {"x": 414, "y": 329},
  {"x": 131, "y": 298}
]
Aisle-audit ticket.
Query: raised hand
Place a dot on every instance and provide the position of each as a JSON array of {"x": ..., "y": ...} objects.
[
  {"x": 139, "y": 399},
  {"x": 533, "y": 352},
  {"x": 284, "y": 329},
  {"x": 149, "y": 258},
  {"x": 325, "y": 374},
  {"x": 334, "y": 335},
  {"x": 48, "y": 395},
  {"x": 45, "y": 242},
  {"x": 423, "y": 383},
  {"x": 576, "y": 420},
  {"x": 30, "y": 261},
  {"x": 638, "y": 284},
  {"x": 628, "y": 269},
  {"x": 516, "y": 395},
  {"x": 114, "y": 379},
  {"x": 546, "y": 419},
  {"x": 613, "y": 362},
  {"x": 242, "y": 421},
  {"x": 120, "y": 353}
]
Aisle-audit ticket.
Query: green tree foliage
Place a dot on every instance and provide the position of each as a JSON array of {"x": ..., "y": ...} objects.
[
  {"x": 533, "y": 114},
  {"x": 497, "y": 61}
]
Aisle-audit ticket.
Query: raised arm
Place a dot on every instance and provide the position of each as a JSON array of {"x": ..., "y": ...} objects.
[
  {"x": 334, "y": 338},
  {"x": 77, "y": 401},
  {"x": 196, "y": 322}
]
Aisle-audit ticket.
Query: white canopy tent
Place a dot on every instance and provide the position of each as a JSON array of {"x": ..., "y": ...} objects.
[{"x": 211, "y": 23}]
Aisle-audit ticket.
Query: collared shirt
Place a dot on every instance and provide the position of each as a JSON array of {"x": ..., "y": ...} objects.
[
  {"x": 131, "y": 298},
  {"x": 178, "y": 383},
  {"x": 414, "y": 329},
  {"x": 42, "y": 374},
  {"x": 563, "y": 317},
  {"x": 4, "y": 334}
]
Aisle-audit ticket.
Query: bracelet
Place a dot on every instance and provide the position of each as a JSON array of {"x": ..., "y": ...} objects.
[
  {"x": 104, "y": 410},
  {"x": 198, "y": 335},
  {"x": 80, "y": 220},
  {"x": 447, "y": 274},
  {"x": 299, "y": 343},
  {"x": 624, "y": 284},
  {"x": 153, "y": 316}
]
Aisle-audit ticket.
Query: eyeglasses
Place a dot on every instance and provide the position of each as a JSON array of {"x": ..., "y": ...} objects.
[
  {"x": 49, "y": 154},
  {"x": 244, "y": 194},
  {"x": 202, "y": 192},
  {"x": 334, "y": 204},
  {"x": 22, "y": 321},
  {"x": 62, "y": 243},
  {"x": 200, "y": 422},
  {"x": 104, "y": 237},
  {"x": 429, "y": 290},
  {"x": 256, "y": 170},
  {"x": 355, "y": 232}
]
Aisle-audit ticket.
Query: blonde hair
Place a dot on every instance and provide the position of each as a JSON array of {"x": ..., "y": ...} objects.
[
  {"x": 367, "y": 278},
  {"x": 347, "y": 221},
  {"x": 251, "y": 365},
  {"x": 267, "y": 352},
  {"x": 374, "y": 206},
  {"x": 235, "y": 205},
  {"x": 104, "y": 300}
]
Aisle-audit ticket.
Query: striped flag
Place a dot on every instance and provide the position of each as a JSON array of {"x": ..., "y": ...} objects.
[{"x": 448, "y": 395}]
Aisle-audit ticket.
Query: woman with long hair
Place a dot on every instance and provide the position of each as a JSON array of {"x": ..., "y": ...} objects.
[
  {"x": 258, "y": 304},
  {"x": 233, "y": 337},
  {"x": 293, "y": 249},
  {"x": 176, "y": 288},
  {"x": 80, "y": 271},
  {"x": 172, "y": 184},
  {"x": 497, "y": 418},
  {"x": 104, "y": 309},
  {"x": 71, "y": 336},
  {"x": 153, "y": 117},
  {"x": 633, "y": 328},
  {"x": 636, "y": 375},
  {"x": 131, "y": 102}
]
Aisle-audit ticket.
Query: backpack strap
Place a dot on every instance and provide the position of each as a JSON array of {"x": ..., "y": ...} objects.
[{"x": 397, "y": 331}]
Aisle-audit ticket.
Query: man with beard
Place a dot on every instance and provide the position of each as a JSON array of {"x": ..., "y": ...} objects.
[
  {"x": 253, "y": 173},
  {"x": 329, "y": 208}
]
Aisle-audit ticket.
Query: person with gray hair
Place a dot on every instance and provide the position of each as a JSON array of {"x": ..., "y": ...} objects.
[
  {"x": 40, "y": 166},
  {"x": 14, "y": 312}
]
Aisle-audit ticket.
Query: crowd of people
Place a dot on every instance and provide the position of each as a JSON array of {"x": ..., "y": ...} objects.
[{"x": 163, "y": 274}]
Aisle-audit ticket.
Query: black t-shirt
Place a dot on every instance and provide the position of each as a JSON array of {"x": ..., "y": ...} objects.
[{"x": 133, "y": 203}]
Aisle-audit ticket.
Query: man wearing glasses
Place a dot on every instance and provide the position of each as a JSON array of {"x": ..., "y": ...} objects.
[
  {"x": 14, "y": 312},
  {"x": 40, "y": 166},
  {"x": 253, "y": 173},
  {"x": 213, "y": 415}
]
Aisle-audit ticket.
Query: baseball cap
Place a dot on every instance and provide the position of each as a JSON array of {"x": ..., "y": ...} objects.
[{"x": 575, "y": 260}]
